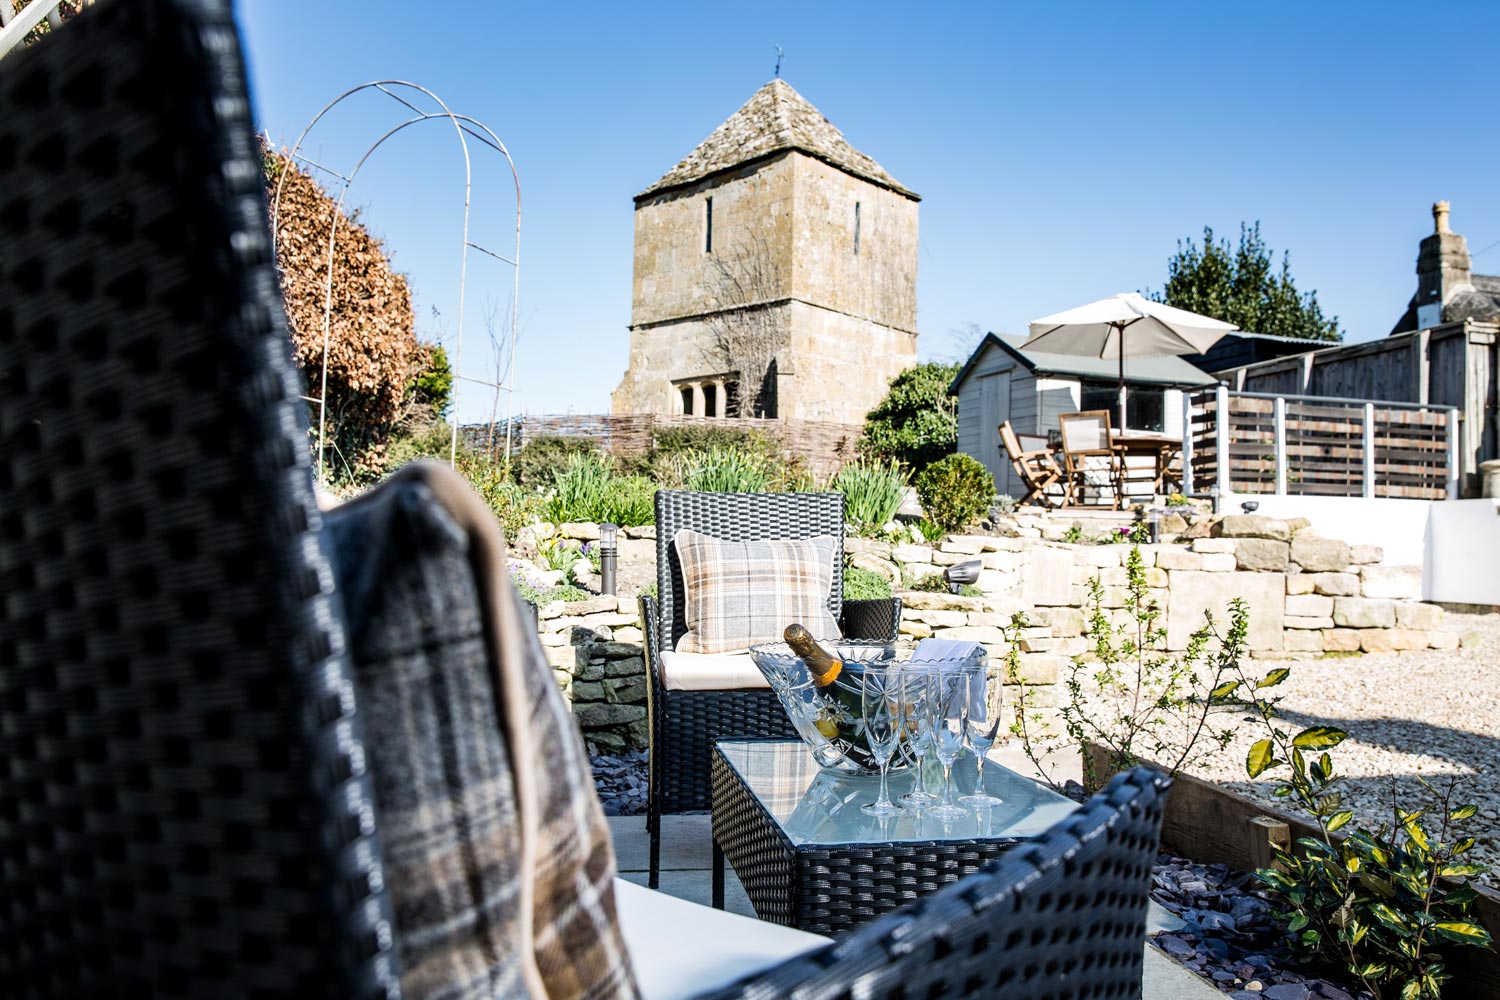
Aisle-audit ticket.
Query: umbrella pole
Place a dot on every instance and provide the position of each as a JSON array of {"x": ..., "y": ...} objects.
[{"x": 1120, "y": 332}]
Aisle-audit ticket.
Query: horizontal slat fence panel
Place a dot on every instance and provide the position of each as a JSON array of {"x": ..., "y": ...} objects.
[
  {"x": 1324, "y": 446},
  {"x": 1328, "y": 458},
  {"x": 1252, "y": 445}
]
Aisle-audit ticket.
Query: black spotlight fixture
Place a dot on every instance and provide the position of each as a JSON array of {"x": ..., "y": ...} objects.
[{"x": 961, "y": 573}]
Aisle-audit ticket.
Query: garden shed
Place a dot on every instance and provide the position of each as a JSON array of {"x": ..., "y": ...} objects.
[{"x": 1001, "y": 382}]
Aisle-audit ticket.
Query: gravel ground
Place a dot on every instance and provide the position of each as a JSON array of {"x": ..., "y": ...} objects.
[
  {"x": 1433, "y": 714},
  {"x": 622, "y": 781}
]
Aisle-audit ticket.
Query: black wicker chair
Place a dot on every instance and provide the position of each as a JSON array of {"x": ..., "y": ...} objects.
[
  {"x": 685, "y": 724},
  {"x": 183, "y": 805},
  {"x": 1062, "y": 917}
]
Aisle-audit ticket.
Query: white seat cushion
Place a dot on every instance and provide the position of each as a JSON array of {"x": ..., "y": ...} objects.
[
  {"x": 682, "y": 949},
  {"x": 709, "y": 671}
]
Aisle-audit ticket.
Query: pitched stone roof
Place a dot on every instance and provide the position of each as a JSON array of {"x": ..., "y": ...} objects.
[{"x": 775, "y": 119}]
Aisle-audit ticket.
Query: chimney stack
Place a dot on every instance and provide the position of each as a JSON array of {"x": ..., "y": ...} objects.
[{"x": 1442, "y": 266}]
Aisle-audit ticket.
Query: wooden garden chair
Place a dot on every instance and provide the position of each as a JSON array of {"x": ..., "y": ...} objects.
[
  {"x": 1093, "y": 466},
  {"x": 1038, "y": 469}
]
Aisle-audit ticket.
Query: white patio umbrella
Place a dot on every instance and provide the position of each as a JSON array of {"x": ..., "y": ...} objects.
[{"x": 1127, "y": 325}]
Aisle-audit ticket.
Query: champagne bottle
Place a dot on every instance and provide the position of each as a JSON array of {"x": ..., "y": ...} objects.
[{"x": 823, "y": 665}]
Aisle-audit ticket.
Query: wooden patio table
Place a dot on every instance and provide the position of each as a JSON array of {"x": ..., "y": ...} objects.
[{"x": 1160, "y": 448}]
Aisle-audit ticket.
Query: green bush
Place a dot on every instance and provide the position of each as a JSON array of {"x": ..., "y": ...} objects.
[
  {"x": 559, "y": 553},
  {"x": 728, "y": 470},
  {"x": 707, "y": 437},
  {"x": 433, "y": 386},
  {"x": 542, "y": 459},
  {"x": 514, "y": 506},
  {"x": 956, "y": 491},
  {"x": 542, "y": 596},
  {"x": 670, "y": 470},
  {"x": 931, "y": 530},
  {"x": 631, "y": 501},
  {"x": 789, "y": 475},
  {"x": 865, "y": 585},
  {"x": 917, "y": 421},
  {"x": 580, "y": 492},
  {"x": 872, "y": 492},
  {"x": 430, "y": 440}
]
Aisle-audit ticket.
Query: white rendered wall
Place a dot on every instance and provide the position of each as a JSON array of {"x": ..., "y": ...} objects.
[
  {"x": 1397, "y": 526},
  {"x": 1463, "y": 552}
]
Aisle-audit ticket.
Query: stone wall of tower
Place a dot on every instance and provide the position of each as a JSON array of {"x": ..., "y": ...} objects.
[
  {"x": 879, "y": 283},
  {"x": 665, "y": 352},
  {"x": 674, "y": 274},
  {"x": 840, "y": 365}
]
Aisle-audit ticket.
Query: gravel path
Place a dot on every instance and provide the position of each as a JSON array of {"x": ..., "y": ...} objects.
[{"x": 1432, "y": 714}]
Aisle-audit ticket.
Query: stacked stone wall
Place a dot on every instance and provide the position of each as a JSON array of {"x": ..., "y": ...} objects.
[{"x": 1306, "y": 595}]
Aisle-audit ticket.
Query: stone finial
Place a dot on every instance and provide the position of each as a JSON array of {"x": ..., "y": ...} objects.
[{"x": 1440, "y": 217}]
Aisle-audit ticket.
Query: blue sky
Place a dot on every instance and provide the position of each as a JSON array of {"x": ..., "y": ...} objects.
[{"x": 1060, "y": 150}]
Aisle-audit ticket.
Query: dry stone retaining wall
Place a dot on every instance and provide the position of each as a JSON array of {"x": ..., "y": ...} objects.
[{"x": 1306, "y": 595}]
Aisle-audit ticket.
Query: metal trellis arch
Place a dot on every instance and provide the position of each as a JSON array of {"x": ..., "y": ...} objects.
[{"x": 464, "y": 126}]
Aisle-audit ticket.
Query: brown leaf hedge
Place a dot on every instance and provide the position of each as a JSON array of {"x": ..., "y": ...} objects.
[{"x": 373, "y": 351}]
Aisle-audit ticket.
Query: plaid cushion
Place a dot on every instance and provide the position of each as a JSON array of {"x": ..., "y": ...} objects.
[
  {"x": 742, "y": 593},
  {"x": 495, "y": 849}
]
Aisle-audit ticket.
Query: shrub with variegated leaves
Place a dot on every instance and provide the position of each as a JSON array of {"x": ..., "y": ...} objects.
[{"x": 1383, "y": 901}]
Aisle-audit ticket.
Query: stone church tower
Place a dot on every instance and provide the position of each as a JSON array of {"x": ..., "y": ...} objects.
[{"x": 775, "y": 274}]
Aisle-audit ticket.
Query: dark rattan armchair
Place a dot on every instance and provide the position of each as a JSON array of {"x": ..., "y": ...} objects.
[
  {"x": 1062, "y": 916},
  {"x": 184, "y": 807},
  {"x": 685, "y": 724}
]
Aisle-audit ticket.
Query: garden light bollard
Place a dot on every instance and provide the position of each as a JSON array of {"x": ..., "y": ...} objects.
[{"x": 609, "y": 554}]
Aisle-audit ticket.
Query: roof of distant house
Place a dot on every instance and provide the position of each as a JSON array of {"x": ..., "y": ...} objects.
[
  {"x": 1169, "y": 371},
  {"x": 776, "y": 119},
  {"x": 1478, "y": 300}
]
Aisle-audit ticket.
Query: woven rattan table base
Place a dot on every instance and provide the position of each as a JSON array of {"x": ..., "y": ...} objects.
[{"x": 826, "y": 888}]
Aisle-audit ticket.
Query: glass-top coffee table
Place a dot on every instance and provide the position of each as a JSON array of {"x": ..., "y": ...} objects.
[{"x": 808, "y": 857}]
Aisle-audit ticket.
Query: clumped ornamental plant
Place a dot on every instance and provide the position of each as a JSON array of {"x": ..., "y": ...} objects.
[
  {"x": 586, "y": 488},
  {"x": 862, "y": 584},
  {"x": 728, "y": 470},
  {"x": 1130, "y": 698},
  {"x": 872, "y": 492},
  {"x": 1382, "y": 901}
]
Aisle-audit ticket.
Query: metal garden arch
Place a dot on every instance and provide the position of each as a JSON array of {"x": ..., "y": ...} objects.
[{"x": 464, "y": 126}]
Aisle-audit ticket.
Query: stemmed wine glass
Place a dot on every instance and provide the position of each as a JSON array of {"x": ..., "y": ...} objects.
[
  {"x": 981, "y": 726},
  {"x": 880, "y": 706},
  {"x": 916, "y": 685},
  {"x": 945, "y": 714}
]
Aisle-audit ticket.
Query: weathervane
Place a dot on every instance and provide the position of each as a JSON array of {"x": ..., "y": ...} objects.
[{"x": 778, "y": 62}]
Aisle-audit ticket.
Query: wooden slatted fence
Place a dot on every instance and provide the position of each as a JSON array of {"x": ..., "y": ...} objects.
[{"x": 1322, "y": 447}]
